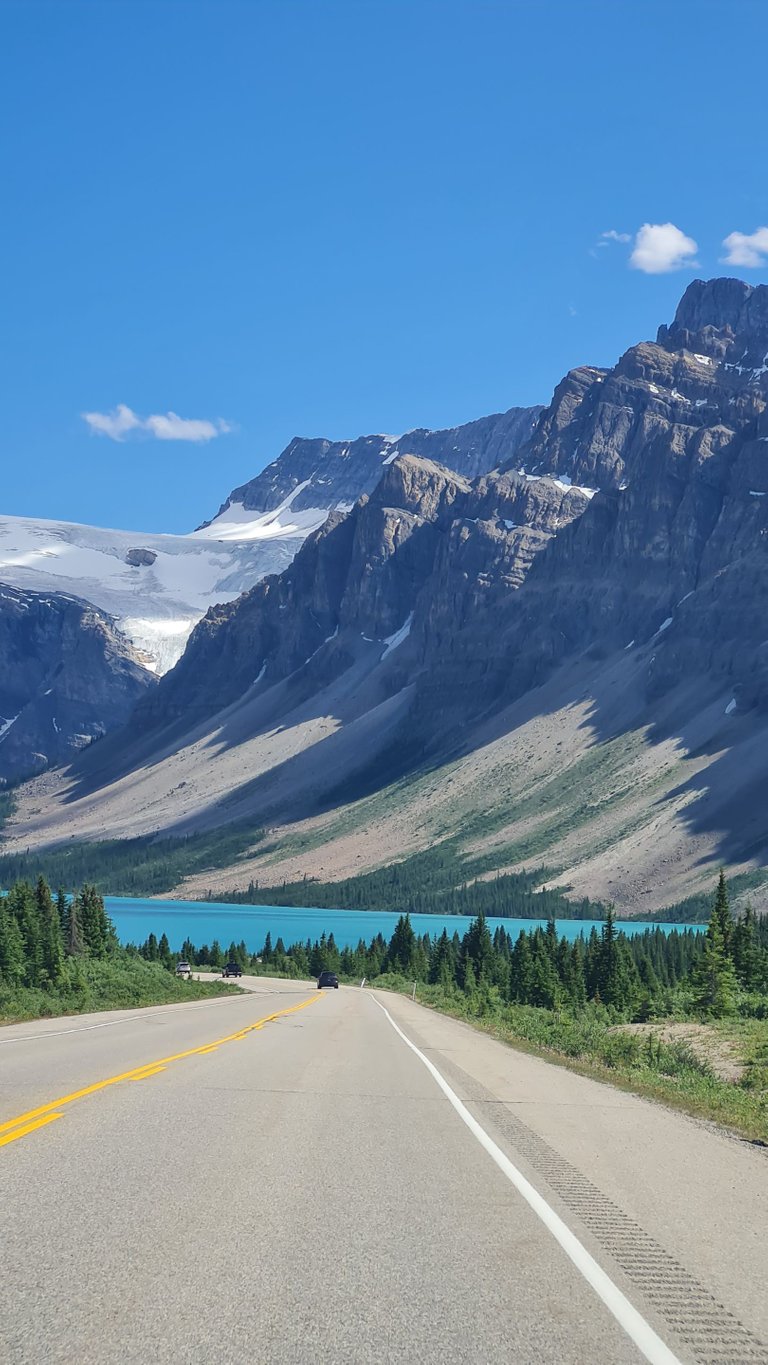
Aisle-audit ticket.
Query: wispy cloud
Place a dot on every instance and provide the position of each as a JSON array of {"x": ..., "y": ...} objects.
[
  {"x": 166, "y": 426},
  {"x": 115, "y": 424},
  {"x": 613, "y": 236},
  {"x": 749, "y": 249},
  {"x": 661, "y": 247}
]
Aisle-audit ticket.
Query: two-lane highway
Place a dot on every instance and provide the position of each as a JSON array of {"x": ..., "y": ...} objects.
[{"x": 281, "y": 1175}]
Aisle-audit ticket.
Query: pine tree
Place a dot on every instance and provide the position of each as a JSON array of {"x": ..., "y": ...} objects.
[
  {"x": 62, "y": 909},
  {"x": 745, "y": 951},
  {"x": 149, "y": 950},
  {"x": 714, "y": 979},
  {"x": 11, "y": 947},
  {"x": 51, "y": 945},
  {"x": 521, "y": 971},
  {"x": 722, "y": 912},
  {"x": 401, "y": 947},
  {"x": 74, "y": 945},
  {"x": 97, "y": 930},
  {"x": 544, "y": 989},
  {"x": 20, "y": 902}
]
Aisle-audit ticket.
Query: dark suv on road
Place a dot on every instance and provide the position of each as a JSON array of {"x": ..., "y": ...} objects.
[
  {"x": 327, "y": 979},
  {"x": 232, "y": 969}
]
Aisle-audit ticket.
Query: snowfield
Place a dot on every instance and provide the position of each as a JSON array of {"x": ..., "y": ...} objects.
[{"x": 155, "y": 604}]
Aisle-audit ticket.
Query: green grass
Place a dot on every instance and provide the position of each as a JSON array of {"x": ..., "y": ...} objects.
[
  {"x": 122, "y": 982},
  {"x": 588, "y": 1044}
]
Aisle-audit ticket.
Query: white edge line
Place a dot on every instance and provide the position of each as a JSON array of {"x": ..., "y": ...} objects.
[{"x": 634, "y": 1324}]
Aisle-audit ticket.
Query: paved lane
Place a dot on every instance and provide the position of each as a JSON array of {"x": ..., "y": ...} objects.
[
  {"x": 52, "y": 1057},
  {"x": 305, "y": 1189}
]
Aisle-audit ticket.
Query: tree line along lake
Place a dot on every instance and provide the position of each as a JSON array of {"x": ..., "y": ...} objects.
[{"x": 135, "y": 919}]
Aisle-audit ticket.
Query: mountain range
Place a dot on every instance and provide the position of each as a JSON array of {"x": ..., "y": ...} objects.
[
  {"x": 151, "y": 589},
  {"x": 540, "y": 644}
]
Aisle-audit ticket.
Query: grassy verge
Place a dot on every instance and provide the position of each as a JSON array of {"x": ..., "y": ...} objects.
[
  {"x": 113, "y": 983},
  {"x": 589, "y": 1044}
]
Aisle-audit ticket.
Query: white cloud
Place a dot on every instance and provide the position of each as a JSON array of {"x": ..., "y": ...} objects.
[
  {"x": 613, "y": 236},
  {"x": 660, "y": 247},
  {"x": 166, "y": 426},
  {"x": 748, "y": 249},
  {"x": 114, "y": 424},
  {"x": 171, "y": 427}
]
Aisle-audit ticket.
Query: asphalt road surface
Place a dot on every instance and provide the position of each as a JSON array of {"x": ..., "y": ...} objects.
[{"x": 348, "y": 1183}]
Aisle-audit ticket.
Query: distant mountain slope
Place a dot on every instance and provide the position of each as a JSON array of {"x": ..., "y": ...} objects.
[
  {"x": 313, "y": 477},
  {"x": 158, "y": 586},
  {"x": 155, "y": 586},
  {"x": 562, "y": 661},
  {"x": 66, "y": 678}
]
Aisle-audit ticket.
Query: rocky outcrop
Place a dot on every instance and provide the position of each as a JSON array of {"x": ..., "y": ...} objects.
[
  {"x": 66, "y": 678},
  {"x": 322, "y": 474},
  {"x": 140, "y": 558}
]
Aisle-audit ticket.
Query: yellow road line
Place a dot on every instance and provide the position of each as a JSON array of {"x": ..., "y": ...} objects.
[
  {"x": 28, "y": 1128},
  {"x": 136, "y": 1074}
]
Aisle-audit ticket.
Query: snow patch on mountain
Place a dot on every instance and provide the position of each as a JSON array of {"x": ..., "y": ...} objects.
[
  {"x": 235, "y": 522},
  {"x": 155, "y": 604}
]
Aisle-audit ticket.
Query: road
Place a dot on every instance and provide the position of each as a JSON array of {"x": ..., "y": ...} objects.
[{"x": 309, "y": 1188}]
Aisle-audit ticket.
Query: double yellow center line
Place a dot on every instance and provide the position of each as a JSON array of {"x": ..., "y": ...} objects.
[{"x": 47, "y": 1113}]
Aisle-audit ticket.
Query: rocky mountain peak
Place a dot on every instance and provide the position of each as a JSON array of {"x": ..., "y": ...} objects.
[
  {"x": 313, "y": 476},
  {"x": 717, "y": 317}
]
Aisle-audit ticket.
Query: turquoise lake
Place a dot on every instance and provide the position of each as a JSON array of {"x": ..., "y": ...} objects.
[{"x": 203, "y": 921}]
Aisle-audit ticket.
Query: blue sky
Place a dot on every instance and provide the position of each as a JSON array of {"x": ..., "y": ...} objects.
[{"x": 327, "y": 217}]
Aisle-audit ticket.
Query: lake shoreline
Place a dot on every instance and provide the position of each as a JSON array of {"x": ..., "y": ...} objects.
[{"x": 203, "y": 921}]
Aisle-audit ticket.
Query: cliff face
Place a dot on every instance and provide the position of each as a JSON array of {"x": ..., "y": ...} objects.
[
  {"x": 676, "y": 441},
  {"x": 66, "y": 678},
  {"x": 426, "y": 548}
]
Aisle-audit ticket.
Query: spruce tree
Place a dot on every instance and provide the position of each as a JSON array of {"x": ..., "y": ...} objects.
[
  {"x": 714, "y": 979},
  {"x": 722, "y": 912},
  {"x": 62, "y": 909},
  {"x": 544, "y": 989},
  {"x": 21, "y": 903},
  {"x": 74, "y": 945},
  {"x": 51, "y": 944},
  {"x": 401, "y": 947},
  {"x": 745, "y": 951},
  {"x": 12, "y": 967},
  {"x": 521, "y": 971}
]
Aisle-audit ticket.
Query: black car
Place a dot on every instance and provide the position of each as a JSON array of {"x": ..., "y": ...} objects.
[
  {"x": 232, "y": 969},
  {"x": 327, "y": 979}
]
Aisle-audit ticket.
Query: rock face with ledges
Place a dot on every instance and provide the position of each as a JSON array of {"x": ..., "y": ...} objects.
[
  {"x": 425, "y": 544},
  {"x": 318, "y": 473},
  {"x": 66, "y": 678}
]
